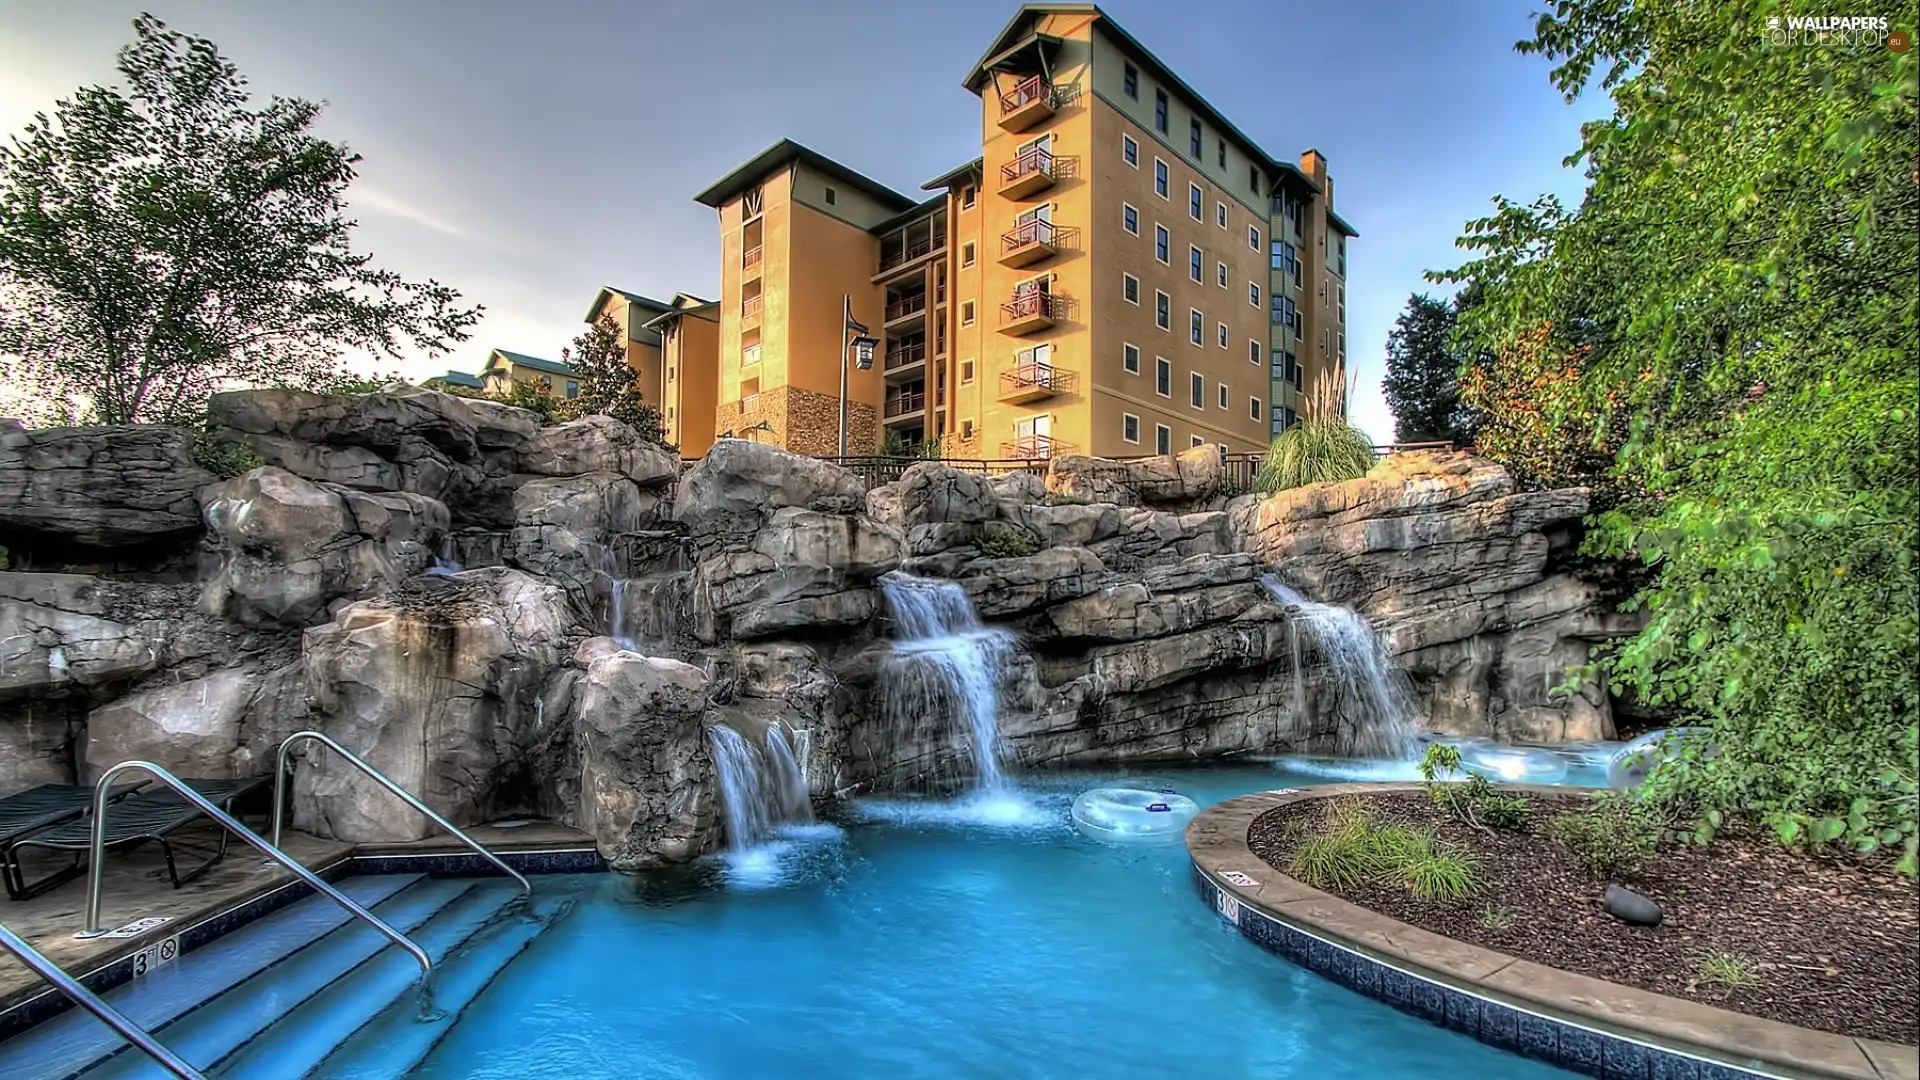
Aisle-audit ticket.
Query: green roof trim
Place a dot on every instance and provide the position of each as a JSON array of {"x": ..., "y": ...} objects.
[
  {"x": 552, "y": 367},
  {"x": 1340, "y": 223},
  {"x": 708, "y": 310},
  {"x": 787, "y": 152},
  {"x": 948, "y": 178},
  {"x": 607, "y": 291},
  {"x": 459, "y": 378}
]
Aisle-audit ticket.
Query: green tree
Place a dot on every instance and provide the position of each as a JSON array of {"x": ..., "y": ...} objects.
[
  {"x": 1422, "y": 384},
  {"x": 161, "y": 240},
  {"x": 608, "y": 383},
  {"x": 1738, "y": 286}
]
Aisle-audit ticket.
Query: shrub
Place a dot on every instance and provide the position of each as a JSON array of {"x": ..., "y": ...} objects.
[
  {"x": 1443, "y": 875},
  {"x": 1607, "y": 837},
  {"x": 1062, "y": 498},
  {"x": 1723, "y": 969},
  {"x": 223, "y": 457},
  {"x": 1323, "y": 861},
  {"x": 1473, "y": 800},
  {"x": 1323, "y": 447},
  {"x": 1004, "y": 541},
  {"x": 1352, "y": 847}
]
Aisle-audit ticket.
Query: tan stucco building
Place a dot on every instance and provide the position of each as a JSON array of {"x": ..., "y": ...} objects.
[{"x": 1121, "y": 271}]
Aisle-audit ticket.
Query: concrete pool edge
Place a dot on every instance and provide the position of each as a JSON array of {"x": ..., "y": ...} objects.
[{"x": 1579, "y": 1023}]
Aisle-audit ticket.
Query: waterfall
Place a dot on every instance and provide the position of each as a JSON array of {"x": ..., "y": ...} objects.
[
  {"x": 1375, "y": 699},
  {"x": 760, "y": 786},
  {"x": 945, "y": 666},
  {"x": 446, "y": 560},
  {"x": 642, "y": 613}
]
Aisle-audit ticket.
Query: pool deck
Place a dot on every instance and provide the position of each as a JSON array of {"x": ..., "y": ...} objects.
[
  {"x": 1217, "y": 842},
  {"x": 135, "y": 887}
]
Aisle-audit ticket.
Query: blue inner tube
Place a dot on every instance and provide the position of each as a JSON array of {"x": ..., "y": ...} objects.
[{"x": 1133, "y": 814}]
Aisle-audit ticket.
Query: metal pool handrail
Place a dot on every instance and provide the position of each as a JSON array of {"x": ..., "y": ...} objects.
[
  {"x": 280, "y": 803},
  {"x": 86, "y": 999},
  {"x": 96, "y": 853}
]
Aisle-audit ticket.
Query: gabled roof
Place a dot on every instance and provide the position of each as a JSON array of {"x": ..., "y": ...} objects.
[
  {"x": 787, "y": 152},
  {"x": 950, "y": 177},
  {"x": 699, "y": 309},
  {"x": 515, "y": 359},
  {"x": 459, "y": 378},
  {"x": 1014, "y": 36},
  {"x": 607, "y": 291}
]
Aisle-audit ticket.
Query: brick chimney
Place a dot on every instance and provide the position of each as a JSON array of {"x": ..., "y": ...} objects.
[{"x": 1314, "y": 164}]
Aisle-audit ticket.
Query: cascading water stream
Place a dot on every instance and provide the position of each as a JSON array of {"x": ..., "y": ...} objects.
[
  {"x": 760, "y": 785},
  {"x": 1375, "y": 699},
  {"x": 446, "y": 559},
  {"x": 946, "y": 663}
]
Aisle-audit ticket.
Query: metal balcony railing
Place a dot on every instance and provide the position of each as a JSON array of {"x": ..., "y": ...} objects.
[
  {"x": 750, "y": 258},
  {"x": 750, "y": 307},
  {"x": 1028, "y": 90},
  {"x": 905, "y": 404},
  {"x": 1031, "y": 447},
  {"x": 901, "y": 355},
  {"x": 1037, "y": 376},
  {"x": 1034, "y": 159},
  {"x": 1036, "y": 231},
  {"x": 1028, "y": 304},
  {"x": 906, "y": 305}
]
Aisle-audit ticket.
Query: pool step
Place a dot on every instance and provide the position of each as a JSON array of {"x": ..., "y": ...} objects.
[
  {"x": 295, "y": 1044},
  {"x": 64, "y": 1045},
  {"x": 396, "y": 1040},
  {"x": 223, "y": 1024}
]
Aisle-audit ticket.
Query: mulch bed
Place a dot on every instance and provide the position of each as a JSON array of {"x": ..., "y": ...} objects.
[{"x": 1836, "y": 946}]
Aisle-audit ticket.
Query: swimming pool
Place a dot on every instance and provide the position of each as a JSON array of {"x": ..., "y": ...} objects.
[{"x": 931, "y": 940}]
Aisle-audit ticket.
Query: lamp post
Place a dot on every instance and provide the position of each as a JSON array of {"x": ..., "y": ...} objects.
[{"x": 854, "y": 335}]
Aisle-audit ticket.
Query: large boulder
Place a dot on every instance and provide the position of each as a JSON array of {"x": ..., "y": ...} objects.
[
  {"x": 1168, "y": 480},
  {"x": 289, "y": 547},
  {"x": 95, "y": 487},
  {"x": 69, "y": 634},
  {"x": 191, "y": 728},
  {"x": 803, "y": 568},
  {"x": 37, "y": 745},
  {"x": 739, "y": 483},
  {"x": 935, "y": 505},
  {"x": 647, "y": 791},
  {"x": 598, "y": 444},
  {"x": 429, "y": 684},
  {"x": 1004, "y": 587},
  {"x": 566, "y": 528}
]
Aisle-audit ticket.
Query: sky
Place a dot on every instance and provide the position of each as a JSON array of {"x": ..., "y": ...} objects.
[{"x": 528, "y": 153}]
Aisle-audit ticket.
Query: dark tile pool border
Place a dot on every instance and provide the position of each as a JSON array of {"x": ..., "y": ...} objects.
[
  {"x": 50, "y": 1002},
  {"x": 1331, "y": 938}
]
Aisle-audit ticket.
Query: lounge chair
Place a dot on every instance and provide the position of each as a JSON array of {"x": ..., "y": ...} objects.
[
  {"x": 27, "y": 812},
  {"x": 153, "y": 815}
]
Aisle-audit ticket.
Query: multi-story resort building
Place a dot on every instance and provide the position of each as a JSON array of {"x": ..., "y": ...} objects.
[{"x": 1120, "y": 271}]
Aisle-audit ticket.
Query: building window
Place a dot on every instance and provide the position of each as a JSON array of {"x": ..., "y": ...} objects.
[
  {"x": 1129, "y": 427},
  {"x": 1162, "y": 310},
  {"x": 1253, "y": 408},
  {"x": 1253, "y": 178},
  {"x": 750, "y": 355},
  {"x": 1130, "y": 219},
  {"x": 1196, "y": 203},
  {"x": 1130, "y": 287},
  {"x": 1196, "y": 327},
  {"x": 1130, "y": 85},
  {"x": 1163, "y": 376},
  {"x": 1194, "y": 139},
  {"x": 1223, "y": 335},
  {"x": 1253, "y": 352},
  {"x": 966, "y": 371},
  {"x": 967, "y": 196},
  {"x": 1197, "y": 390},
  {"x": 1160, "y": 111},
  {"x": 966, "y": 313},
  {"x": 1223, "y": 395},
  {"x": 1340, "y": 254},
  {"x": 1130, "y": 358},
  {"x": 1340, "y": 343},
  {"x": 966, "y": 254},
  {"x": 1162, "y": 439},
  {"x": 1253, "y": 237},
  {"x": 1130, "y": 150},
  {"x": 966, "y": 429},
  {"x": 573, "y": 389},
  {"x": 1222, "y": 275},
  {"x": 1196, "y": 441},
  {"x": 1220, "y": 214},
  {"x": 1253, "y": 294},
  {"x": 1160, "y": 242},
  {"x": 831, "y": 196},
  {"x": 1222, "y": 158},
  {"x": 1194, "y": 263},
  {"x": 1159, "y": 178},
  {"x": 1341, "y": 307},
  {"x": 1326, "y": 340}
]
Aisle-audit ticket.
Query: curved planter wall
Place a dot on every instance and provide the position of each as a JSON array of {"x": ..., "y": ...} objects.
[{"x": 1582, "y": 1024}]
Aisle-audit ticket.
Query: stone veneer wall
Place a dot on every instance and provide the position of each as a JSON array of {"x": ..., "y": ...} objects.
[{"x": 803, "y": 422}]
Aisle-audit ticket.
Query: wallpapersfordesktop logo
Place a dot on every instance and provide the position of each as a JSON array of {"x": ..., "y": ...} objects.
[{"x": 1836, "y": 31}]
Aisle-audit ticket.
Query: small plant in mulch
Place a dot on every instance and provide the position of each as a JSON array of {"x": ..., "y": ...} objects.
[
  {"x": 1607, "y": 838},
  {"x": 1724, "y": 971},
  {"x": 1473, "y": 799},
  {"x": 1494, "y": 918},
  {"x": 1352, "y": 847}
]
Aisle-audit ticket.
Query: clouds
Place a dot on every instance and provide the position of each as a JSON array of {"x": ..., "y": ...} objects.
[{"x": 366, "y": 196}]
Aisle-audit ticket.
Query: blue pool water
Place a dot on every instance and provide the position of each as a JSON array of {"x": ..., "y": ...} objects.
[{"x": 938, "y": 941}]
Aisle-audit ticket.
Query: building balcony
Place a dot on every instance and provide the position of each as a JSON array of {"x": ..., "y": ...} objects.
[
  {"x": 750, "y": 263},
  {"x": 1031, "y": 102},
  {"x": 1034, "y": 447},
  {"x": 906, "y": 307},
  {"x": 1027, "y": 174},
  {"x": 905, "y": 406},
  {"x": 1030, "y": 312},
  {"x": 1032, "y": 381},
  {"x": 901, "y": 255},
  {"x": 750, "y": 308},
  {"x": 1027, "y": 243},
  {"x": 905, "y": 354}
]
